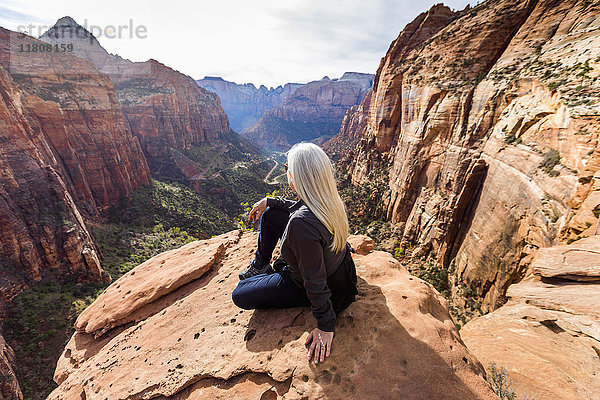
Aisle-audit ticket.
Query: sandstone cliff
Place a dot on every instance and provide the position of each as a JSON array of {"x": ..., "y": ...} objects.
[
  {"x": 548, "y": 334},
  {"x": 485, "y": 124},
  {"x": 74, "y": 107},
  {"x": 165, "y": 109},
  {"x": 42, "y": 229},
  {"x": 313, "y": 112},
  {"x": 348, "y": 136},
  {"x": 245, "y": 104},
  {"x": 169, "y": 329}
]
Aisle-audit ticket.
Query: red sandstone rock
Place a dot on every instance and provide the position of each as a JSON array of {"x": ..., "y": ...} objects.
[
  {"x": 348, "y": 136},
  {"x": 74, "y": 107},
  {"x": 165, "y": 109},
  {"x": 9, "y": 387},
  {"x": 548, "y": 334},
  {"x": 397, "y": 340},
  {"x": 462, "y": 113}
]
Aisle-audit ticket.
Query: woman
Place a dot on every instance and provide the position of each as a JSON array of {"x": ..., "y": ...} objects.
[{"x": 318, "y": 269}]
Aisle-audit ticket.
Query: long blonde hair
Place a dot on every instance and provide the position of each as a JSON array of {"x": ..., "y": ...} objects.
[{"x": 312, "y": 176}]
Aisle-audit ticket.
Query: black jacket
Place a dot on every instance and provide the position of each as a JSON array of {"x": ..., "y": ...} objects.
[{"x": 305, "y": 247}]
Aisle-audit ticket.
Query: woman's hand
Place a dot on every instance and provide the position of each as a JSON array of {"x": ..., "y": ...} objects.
[
  {"x": 320, "y": 346},
  {"x": 258, "y": 208}
]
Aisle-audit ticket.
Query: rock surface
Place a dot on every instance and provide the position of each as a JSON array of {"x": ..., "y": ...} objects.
[
  {"x": 484, "y": 126},
  {"x": 548, "y": 334},
  {"x": 348, "y": 136},
  {"x": 244, "y": 103},
  {"x": 165, "y": 109},
  {"x": 312, "y": 112},
  {"x": 194, "y": 343},
  {"x": 9, "y": 386}
]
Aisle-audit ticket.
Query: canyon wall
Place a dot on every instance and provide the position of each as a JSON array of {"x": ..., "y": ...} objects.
[
  {"x": 165, "y": 109},
  {"x": 244, "y": 103},
  {"x": 75, "y": 107},
  {"x": 314, "y": 112},
  {"x": 485, "y": 123},
  {"x": 350, "y": 132}
]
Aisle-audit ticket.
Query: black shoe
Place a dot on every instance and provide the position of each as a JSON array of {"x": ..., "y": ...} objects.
[{"x": 253, "y": 270}]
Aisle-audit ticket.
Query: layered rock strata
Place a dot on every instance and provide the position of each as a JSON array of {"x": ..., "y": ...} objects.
[
  {"x": 244, "y": 104},
  {"x": 314, "y": 112},
  {"x": 164, "y": 108},
  {"x": 485, "y": 124},
  {"x": 547, "y": 335}
]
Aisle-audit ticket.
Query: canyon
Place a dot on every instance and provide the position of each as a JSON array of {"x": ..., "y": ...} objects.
[
  {"x": 66, "y": 155},
  {"x": 82, "y": 132},
  {"x": 244, "y": 104},
  {"x": 486, "y": 158},
  {"x": 165, "y": 109},
  {"x": 313, "y": 112},
  {"x": 482, "y": 125}
]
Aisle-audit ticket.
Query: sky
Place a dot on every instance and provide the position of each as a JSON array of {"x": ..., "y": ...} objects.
[{"x": 268, "y": 42}]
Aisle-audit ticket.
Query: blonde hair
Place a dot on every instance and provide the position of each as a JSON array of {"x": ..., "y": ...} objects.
[{"x": 312, "y": 176}]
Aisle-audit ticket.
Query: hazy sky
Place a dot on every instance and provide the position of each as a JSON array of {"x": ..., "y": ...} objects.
[{"x": 260, "y": 41}]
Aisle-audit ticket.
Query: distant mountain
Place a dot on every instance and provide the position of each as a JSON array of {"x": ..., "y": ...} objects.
[
  {"x": 244, "y": 103},
  {"x": 165, "y": 109},
  {"x": 313, "y": 112}
]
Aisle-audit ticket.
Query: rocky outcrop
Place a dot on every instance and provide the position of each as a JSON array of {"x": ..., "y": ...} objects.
[
  {"x": 9, "y": 387},
  {"x": 165, "y": 109},
  {"x": 313, "y": 112},
  {"x": 548, "y": 333},
  {"x": 244, "y": 103},
  {"x": 186, "y": 339},
  {"x": 349, "y": 134},
  {"x": 484, "y": 122}
]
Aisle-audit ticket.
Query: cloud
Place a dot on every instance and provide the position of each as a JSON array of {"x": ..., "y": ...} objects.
[{"x": 267, "y": 42}]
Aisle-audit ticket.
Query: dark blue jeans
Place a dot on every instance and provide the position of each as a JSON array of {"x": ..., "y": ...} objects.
[{"x": 276, "y": 290}]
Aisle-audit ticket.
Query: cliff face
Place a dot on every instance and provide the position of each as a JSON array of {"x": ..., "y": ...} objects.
[
  {"x": 75, "y": 108},
  {"x": 42, "y": 228},
  {"x": 245, "y": 104},
  {"x": 164, "y": 109},
  {"x": 313, "y": 112},
  {"x": 486, "y": 124},
  {"x": 147, "y": 337},
  {"x": 349, "y": 134},
  {"x": 548, "y": 333}
]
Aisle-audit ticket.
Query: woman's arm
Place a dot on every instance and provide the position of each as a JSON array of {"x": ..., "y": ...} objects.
[
  {"x": 305, "y": 242},
  {"x": 280, "y": 202}
]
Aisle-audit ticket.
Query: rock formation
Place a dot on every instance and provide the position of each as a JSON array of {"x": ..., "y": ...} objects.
[
  {"x": 245, "y": 104},
  {"x": 184, "y": 338},
  {"x": 74, "y": 107},
  {"x": 548, "y": 333},
  {"x": 165, "y": 109},
  {"x": 485, "y": 123},
  {"x": 9, "y": 387},
  {"x": 313, "y": 112},
  {"x": 65, "y": 154},
  {"x": 349, "y": 134}
]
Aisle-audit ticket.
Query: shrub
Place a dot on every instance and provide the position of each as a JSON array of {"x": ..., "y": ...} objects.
[
  {"x": 550, "y": 160},
  {"x": 501, "y": 383}
]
